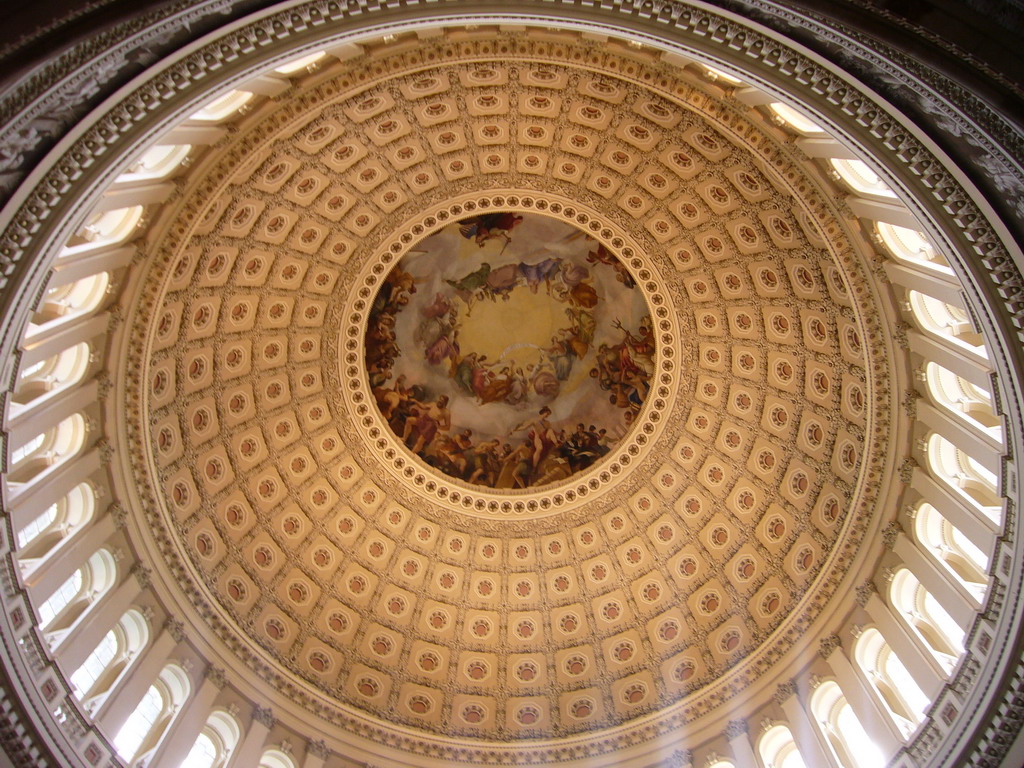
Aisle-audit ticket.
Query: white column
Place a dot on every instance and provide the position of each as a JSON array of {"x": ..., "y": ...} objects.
[
  {"x": 876, "y": 722},
  {"x": 118, "y": 706},
  {"x": 805, "y": 734},
  {"x": 752, "y": 97},
  {"x": 128, "y": 195},
  {"x": 81, "y": 264},
  {"x": 960, "y": 604},
  {"x": 66, "y": 558},
  {"x": 921, "y": 664},
  {"x": 935, "y": 284},
  {"x": 195, "y": 134},
  {"x": 255, "y": 741},
  {"x": 876, "y": 210},
  {"x": 269, "y": 84},
  {"x": 344, "y": 51},
  {"x": 47, "y": 342},
  {"x": 26, "y": 502},
  {"x": 824, "y": 147},
  {"x": 737, "y": 732},
  {"x": 960, "y": 360},
  {"x": 316, "y": 754},
  {"x": 981, "y": 447},
  {"x": 49, "y": 411},
  {"x": 79, "y": 642},
  {"x": 184, "y": 729},
  {"x": 979, "y": 528}
]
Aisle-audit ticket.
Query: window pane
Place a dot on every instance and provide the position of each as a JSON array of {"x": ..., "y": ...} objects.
[
  {"x": 59, "y": 599},
  {"x": 202, "y": 755},
  {"x": 138, "y": 726},
  {"x": 37, "y": 526},
  {"x": 85, "y": 676}
]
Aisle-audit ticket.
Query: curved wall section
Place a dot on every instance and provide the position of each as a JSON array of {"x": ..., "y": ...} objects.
[{"x": 218, "y": 546}]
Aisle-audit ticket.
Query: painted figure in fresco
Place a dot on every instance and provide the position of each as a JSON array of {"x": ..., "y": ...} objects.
[
  {"x": 542, "y": 272},
  {"x": 543, "y": 378},
  {"x": 501, "y": 282},
  {"x": 485, "y": 462},
  {"x": 602, "y": 255},
  {"x": 624, "y": 370},
  {"x": 517, "y": 467},
  {"x": 388, "y": 400},
  {"x": 497, "y": 387},
  {"x": 470, "y": 287},
  {"x": 426, "y": 420},
  {"x": 439, "y": 308},
  {"x": 487, "y": 226},
  {"x": 583, "y": 328},
  {"x": 539, "y": 449},
  {"x": 395, "y": 292},
  {"x": 451, "y": 452},
  {"x": 561, "y": 354},
  {"x": 539, "y": 433},
  {"x": 463, "y": 374},
  {"x": 518, "y": 387},
  {"x": 571, "y": 274}
]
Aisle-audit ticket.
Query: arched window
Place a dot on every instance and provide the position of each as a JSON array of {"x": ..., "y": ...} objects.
[
  {"x": 215, "y": 742},
  {"x": 901, "y": 695},
  {"x": 108, "y": 661},
  {"x": 912, "y": 246},
  {"x": 156, "y": 163},
  {"x": 275, "y": 758},
  {"x": 61, "y": 599},
  {"x": 725, "y": 77},
  {"x": 56, "y": 522},
  {"x": 79, "y": 590},
  {"x": 951, "y": 549},
  {"x": 222, "y": 107},
  {"x": 83, "y": 678},
  {"x": 778, "y": 749},
  {"x": 37, "y": 526},
  {"x": 794, "y": 119},
  {"x": 103, "y": 229},
  {"x": 949, "y": 322},
  {"x": 63, "y": 370},
  {"x": 298, "y": 65},
  {"x": 846, "y": 737},
  {"x": 55, "y": 446},
  {"x": 153, "y": 714},
  {"x": 861, "y": 179},
  {"x": 967, "y": 477},
  {"x": 967, "y": 401},
  {"x": 940, "y": 633},
  {"x": 77, "y": 298}
]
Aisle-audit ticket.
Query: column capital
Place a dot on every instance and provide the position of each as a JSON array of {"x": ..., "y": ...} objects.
[
  {"x": 736, "y": 728},
  {"x": 890, "y": 533},
  {"x": 784, "y": 691},
  {"x": 264, "y": 716},
  {"x": 319, "y": 749},
  {"x": 217, "y": 676},
  {"x": 906, "y": 470},
  {"x": 142, "y": 574},
  {"x": 175, "y": 629},
  {"x": 864, "y": 592},
  {"x": 828, "y": 645}
]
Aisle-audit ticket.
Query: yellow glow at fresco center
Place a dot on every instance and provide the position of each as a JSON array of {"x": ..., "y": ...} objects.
[{"x": 518, "y": 327}]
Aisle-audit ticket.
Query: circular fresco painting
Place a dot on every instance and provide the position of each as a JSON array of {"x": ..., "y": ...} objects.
[{"x": 509, "y": 350}]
